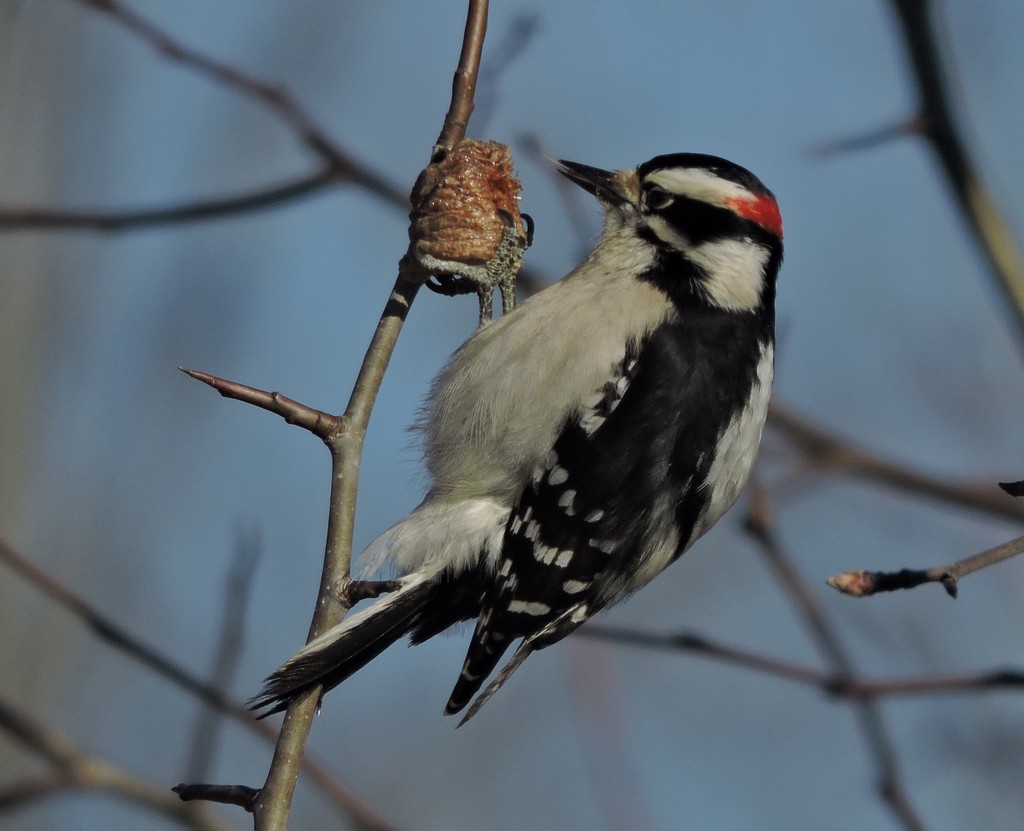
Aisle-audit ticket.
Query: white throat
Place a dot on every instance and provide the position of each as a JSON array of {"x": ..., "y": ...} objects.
[{"x": 735, "y": 270}]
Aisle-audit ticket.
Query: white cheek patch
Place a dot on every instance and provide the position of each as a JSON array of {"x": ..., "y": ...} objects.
[{"x": 734, "y": 270}]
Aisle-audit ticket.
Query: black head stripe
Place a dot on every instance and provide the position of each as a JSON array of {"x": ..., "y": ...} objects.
[{"x": 722, "y": 168}]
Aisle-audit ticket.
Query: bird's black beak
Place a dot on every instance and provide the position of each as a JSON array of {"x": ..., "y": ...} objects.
[{"x": 604, "y": 184}]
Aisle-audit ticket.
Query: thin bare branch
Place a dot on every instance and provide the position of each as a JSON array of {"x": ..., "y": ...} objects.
[
  {"x": 104, "y": 628},
  {"x": 346, "y": 802},
  {"x": 835, "y": 453},
  {"x": 317, "y": 422},
  {"x": 24, "y": 792},
  {"x": 835, "y": 684},
  {"x": 237, "y": 593},
  {"x": 968, "y": 682},
  {"x": 890, "y": 780},
  {"x": 989, "y": 227},
  {"x": 861, "y": 583},
  {"x": 275, "y": 98},
  {"x": 78, "y": 771},
  {"x": 865, "y": 141},
  {"x": 340, "y": 166},
  {"x": 464, "y": 82},
  {"x": 511, "y": 45},
  {"x": 23, "y": 219},
  {"x": 705, "y": 647}
]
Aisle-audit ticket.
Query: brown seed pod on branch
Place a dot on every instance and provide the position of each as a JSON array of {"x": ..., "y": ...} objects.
[
  {"x": 466, "y": 228},
  {"x": 462, "y": 204}
]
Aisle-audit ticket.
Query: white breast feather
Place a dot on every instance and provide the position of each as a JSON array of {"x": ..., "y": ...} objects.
[{"x": 496, "y": 409}]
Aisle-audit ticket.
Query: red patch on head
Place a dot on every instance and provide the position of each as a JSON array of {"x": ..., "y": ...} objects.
[{"x": 761, "y": 209}]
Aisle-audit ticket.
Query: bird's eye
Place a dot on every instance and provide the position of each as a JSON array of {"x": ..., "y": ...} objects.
[{"x": 657, "y": 198}]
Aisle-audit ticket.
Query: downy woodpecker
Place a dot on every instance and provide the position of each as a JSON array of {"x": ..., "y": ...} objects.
[{"x": 584, "y": 441}]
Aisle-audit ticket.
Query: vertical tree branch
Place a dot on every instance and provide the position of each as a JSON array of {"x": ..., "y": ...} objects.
[
  {"x": 464, "y": 82},
  {"x": 977, "y": 205},
  {"x": 273, "y": 806}
]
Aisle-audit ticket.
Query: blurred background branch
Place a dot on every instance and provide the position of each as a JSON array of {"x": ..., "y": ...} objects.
[
  {"x": 838, "y": 684},
  {"x": 890, "y": 781},
  {"x": 822, "y": 450},
  {"x": 827, "y": 453},
  {"x": 237, "y": 591},
  {"x": 941, "y": 129},
  {"x": 209, "y": 694},
  {"x": 74, "y": 770}
]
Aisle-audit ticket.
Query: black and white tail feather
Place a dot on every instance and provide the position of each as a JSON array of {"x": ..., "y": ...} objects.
[
  {"x": 583, "y": 442},
  {"x": 338, "y": 653}
]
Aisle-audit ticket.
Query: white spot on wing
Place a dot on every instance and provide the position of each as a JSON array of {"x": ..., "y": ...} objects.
[
  {"x": 528, "y": 608},
  {"x": 559, "y": 475},
  {"x": 566, "y": 500},
  {"x": 591, "y": 422},
  {"x": 580, "y": 614},
  {"x": 545, "y": 553}
]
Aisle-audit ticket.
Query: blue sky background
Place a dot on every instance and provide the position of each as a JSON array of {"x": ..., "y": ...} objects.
[{"x": 131, "y": 482}]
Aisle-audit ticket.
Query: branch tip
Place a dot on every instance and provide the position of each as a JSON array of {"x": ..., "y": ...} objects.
[
  {"x": 205, "y": 377},
  {"x": 1013, "y": 488},
  {"x": 857, "y": 583},
  {"x": 861, "y": 583},
  {"x": 321, "y": 424}
]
